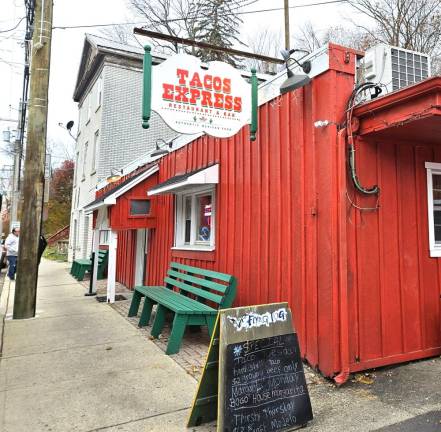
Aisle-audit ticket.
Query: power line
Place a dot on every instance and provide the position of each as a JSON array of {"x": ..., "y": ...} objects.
[
  {"x": 13, "y": 28},
  {"x": 323, "y": 3}
]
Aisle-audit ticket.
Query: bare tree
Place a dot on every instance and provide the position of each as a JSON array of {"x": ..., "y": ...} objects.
[
  {"x": 212, "y": 21},
  {"x": 64, "y": 149},
  {"x": 350, "y": 37},
  {"x": 265, "y": 42},
  {"x": 409, "y": 24},
  {"x": 310, "y": 39},
  {"x": 174, "y": 17},
  {"x": 120, "y": 33}
]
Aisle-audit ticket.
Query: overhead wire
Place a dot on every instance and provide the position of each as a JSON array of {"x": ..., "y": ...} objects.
[
  {"x": 13, "y": 28},
  {"x": 322, "y": 3}
]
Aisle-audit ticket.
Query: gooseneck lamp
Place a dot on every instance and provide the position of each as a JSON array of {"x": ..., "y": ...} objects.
[{"x": 294, "y": 81}]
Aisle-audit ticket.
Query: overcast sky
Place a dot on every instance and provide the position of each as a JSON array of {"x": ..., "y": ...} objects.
[{"x": 67, "y": 45}]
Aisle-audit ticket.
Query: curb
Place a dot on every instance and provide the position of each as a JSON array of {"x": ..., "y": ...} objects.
[{"x": 4, "y": 300}]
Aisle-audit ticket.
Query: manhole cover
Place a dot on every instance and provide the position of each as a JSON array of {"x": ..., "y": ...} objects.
[{"x": 103, "y": 299}]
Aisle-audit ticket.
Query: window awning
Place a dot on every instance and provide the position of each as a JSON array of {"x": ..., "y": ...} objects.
[
  {"x": 180, "y": 183},
  {"x": 109, "y": 198}
]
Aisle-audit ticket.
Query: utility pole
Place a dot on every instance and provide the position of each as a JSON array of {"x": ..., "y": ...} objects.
[
  {"x": 286, "y": 7},
  {"x": 33, "y": 182},
  {"x": 17, "y": 165}
]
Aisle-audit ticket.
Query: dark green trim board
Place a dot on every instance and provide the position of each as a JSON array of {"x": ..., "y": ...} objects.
[
  {"x": 204, "y": 407},
  {"x": 147, "y": 87},
  {"x": 254, "y": 104}
]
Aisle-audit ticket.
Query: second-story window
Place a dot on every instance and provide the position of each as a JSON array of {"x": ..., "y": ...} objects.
[
  {"x": 95, "y": 150},
  {"x": 99, "y": 92},
  {"x": 76, "y": 168},
  {"x": 89, "y": 107},
  {"x": 85, "y": 159}
]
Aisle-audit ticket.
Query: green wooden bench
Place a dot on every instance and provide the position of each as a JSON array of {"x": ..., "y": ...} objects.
[
  {"x": 81, "y": 266},
  {"x": 186, "y": 291}
]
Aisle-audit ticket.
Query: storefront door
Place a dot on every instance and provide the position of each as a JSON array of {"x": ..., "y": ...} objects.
[{"x": 140, "y": 256}]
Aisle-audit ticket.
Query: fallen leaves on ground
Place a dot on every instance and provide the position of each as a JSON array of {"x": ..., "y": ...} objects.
[{"x": 364, "y": 379}]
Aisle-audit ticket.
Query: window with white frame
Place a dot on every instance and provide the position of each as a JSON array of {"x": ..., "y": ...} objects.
[
  {"x": 89, "y": 108},
  {"x": 434, "y": 207},
  {"x": 77, "y": 170},
  {"x": 85, "y": 160},
  {"x": 195, "y": 219},
  {"x": 95, "y": 150},
  {"x": 99, "y": 92},
  {"x": 104, "y": 237}
]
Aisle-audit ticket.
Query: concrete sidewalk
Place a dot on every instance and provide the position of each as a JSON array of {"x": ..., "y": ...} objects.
[{"x": 80, "y": 366}]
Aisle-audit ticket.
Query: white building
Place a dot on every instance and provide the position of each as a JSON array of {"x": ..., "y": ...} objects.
[{"x": 108, "y": 91}]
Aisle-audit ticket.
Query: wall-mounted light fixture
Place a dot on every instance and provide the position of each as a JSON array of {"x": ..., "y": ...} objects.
[
  {"x": 114, "y": 176},
  {"x": 294, "y": 81},
  {"x": 161, "y": 150}
]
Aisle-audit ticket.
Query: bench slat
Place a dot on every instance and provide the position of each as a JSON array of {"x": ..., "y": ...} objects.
[
  {"x": 175, "y": 301},
  {"x": 194, "y": 290},
  {"x": 198, "y": 271},
  {"x": 202, "y": 282},
  {"x": 183, "y": 303},
  {"x": 187, "y": 307}
]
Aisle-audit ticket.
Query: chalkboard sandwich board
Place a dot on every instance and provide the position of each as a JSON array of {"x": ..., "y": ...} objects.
[{"x": 261, "y": 385}]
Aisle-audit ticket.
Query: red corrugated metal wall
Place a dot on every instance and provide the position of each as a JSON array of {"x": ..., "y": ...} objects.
[
  {"x": 287, "y": 230},
  {"x": 125, "y": 258},
  {"x": 269, "y": 199},
  {"x": 126, "y": 225},
  {"x": 394, "y": 285}
]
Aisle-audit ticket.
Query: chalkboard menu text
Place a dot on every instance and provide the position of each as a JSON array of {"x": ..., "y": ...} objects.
[{"x": 265, "y": 386}]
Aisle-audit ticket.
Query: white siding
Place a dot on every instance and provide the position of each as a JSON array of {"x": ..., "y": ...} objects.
[{"x": 122, "y": 139}]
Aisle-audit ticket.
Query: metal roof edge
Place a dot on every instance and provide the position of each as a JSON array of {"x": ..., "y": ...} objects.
[
  {"x": 110, "y": 198},
  {"x": 390, "y": 100},
  {"x": 146, "y": 174},
  {"x": 178, "y": 142}
]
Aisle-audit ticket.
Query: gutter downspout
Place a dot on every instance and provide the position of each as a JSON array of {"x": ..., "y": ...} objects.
[{"x": 343, "y": 376}]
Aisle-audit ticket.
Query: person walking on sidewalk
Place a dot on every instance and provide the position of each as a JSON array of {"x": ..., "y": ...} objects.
[{"x": 11, "y": 245}]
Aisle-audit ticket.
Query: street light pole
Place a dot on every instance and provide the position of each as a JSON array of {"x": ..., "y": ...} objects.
[{"x": 33, "y": 182}]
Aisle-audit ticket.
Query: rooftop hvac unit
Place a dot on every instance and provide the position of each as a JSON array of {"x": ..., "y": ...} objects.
[{"x": 394, "y": 68}]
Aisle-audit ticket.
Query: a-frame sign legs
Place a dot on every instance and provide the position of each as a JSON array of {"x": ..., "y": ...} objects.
[{"x": 205, "y": 401}]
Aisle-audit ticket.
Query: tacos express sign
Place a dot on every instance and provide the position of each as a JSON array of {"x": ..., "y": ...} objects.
[{"x": 191, "y": 98}]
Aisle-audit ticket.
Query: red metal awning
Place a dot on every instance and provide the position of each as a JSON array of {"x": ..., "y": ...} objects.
[{"x": 410, "y": 114}]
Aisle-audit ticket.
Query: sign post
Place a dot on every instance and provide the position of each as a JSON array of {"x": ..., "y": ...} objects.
[
  {"x": 192, "y": 97},
  {"x": 254, "y": 373}
]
